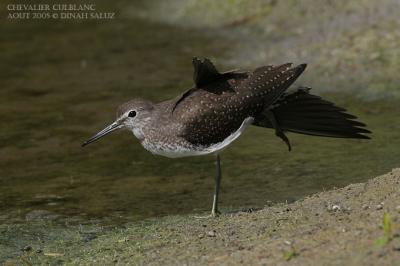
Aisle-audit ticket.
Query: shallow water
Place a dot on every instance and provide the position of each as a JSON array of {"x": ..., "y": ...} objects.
[{"x": 61, "y": 82}]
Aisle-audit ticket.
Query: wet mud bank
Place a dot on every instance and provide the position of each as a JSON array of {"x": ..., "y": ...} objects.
[{"x": 354, "y": 225}]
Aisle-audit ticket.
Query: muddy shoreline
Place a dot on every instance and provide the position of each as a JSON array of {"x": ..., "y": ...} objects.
[{"x": 338, "y": 227}]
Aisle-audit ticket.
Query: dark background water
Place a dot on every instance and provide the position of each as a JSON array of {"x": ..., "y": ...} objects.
[{"x": 62, "y": 81}]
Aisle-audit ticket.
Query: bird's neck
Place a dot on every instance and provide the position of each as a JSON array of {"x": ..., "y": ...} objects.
[{"x": 138, "y": 132}]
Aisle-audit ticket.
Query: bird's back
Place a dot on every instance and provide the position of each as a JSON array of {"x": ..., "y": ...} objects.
[{"x": 211, "y": 112}]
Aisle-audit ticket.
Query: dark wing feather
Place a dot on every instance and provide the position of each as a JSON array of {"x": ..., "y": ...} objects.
[
  {"x": 205, "y": 74},
  {"x": 304, "y": 113}
]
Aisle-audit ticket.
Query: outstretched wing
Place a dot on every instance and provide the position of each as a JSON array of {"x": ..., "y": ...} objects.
[
  {"x": 212, "y": 113},
  {"x": 266, "y": 84},
  {"x": 204, "y": 75},
  {"x": 305, "y": 113}
]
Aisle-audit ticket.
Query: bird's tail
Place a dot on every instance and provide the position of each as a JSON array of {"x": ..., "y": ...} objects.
[{"x": 304, "y": 113}]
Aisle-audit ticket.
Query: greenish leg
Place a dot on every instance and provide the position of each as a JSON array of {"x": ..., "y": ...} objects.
[{"x": 214, "y": 211}]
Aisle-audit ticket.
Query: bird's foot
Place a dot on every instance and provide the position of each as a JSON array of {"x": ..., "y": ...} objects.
[
  {"x": 279, "y": 133},
  {"x": 214, "y": 214}
]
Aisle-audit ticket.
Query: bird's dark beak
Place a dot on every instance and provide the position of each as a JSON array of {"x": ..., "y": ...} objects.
[{"x": 114, "y": 126}]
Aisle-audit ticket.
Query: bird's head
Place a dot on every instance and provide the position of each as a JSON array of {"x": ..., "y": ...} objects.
[{"x": 132, "y": 115}]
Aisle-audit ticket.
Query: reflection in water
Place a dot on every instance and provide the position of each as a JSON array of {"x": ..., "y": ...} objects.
[{"x": 66, "y": 83}]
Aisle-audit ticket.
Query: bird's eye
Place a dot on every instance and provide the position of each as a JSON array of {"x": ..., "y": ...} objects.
[{"x": 132, "y": 114}]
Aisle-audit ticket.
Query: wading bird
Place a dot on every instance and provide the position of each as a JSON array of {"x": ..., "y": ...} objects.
[{"x": 220, "y": 106}]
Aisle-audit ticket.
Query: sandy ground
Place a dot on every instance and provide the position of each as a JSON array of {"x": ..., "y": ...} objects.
[{"x": 338, "y": 227}]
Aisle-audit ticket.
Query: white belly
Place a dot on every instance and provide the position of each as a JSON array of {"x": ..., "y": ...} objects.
[{"x": 176, "y": 151}]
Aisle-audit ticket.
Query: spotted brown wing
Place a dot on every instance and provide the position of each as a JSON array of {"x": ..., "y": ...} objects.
[
  {"x": 213, "y": 112},
  {"x": 267, "y": 84}
]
